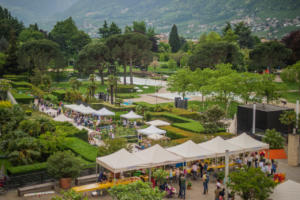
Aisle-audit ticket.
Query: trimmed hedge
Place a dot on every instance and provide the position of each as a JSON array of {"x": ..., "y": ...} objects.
[
  {"x": 174, "y": 136},
  {"x": 60, "y": 94},
  {"x": 23, "y": 98},
  {"x": 126, "y": 95},
  {"x": 148, "y": 106},
  {"x": 125, "y": 88},
  {"x": 84, "y": 149},
  {"x": 171, "y": 117},
  {"x": 191, "y": 126},
  {"x": 21, "y": 84},
  {"x": 14, "y": 77},
  {"x": 27, "y": 168}
]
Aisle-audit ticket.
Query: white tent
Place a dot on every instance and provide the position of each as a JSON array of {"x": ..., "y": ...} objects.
[
  {"x": 286, "y": 190},
  {"x": 248, "y": 143},
  {"x": 121, "y": 161},
  {"x": 62, "y": 118},
  {"x": 131, "y": 115},
  {"x": 158, "y": 123},
  {"x": 218, "y": 145},
  {"x": 104, "y": 112},
  {"x": 81, "y": 108},
  {"x": 158, "y": 156},
  {"x": 151, "y": 130},
  {"x": 191, "y": 151},
  {"x": 155, "y": 136}
]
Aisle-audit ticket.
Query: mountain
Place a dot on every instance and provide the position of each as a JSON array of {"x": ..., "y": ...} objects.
[{"x": 269, "y": 18}]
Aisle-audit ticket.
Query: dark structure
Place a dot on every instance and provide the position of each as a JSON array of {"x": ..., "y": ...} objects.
[
  {"x": 267, "y": 117},
  {"x": 181, "y": 103}
]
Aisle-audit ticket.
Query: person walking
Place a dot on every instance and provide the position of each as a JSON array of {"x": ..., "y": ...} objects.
[
  {"x": 201, "y": 169},
  {"x": 274, "y": 167},
  {"x": 217, "y": 193},
  {"x": 205, "y": 180},
  {"x": 182, "y": 186}
]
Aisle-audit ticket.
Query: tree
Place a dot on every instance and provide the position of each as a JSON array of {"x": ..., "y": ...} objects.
[
  {"x": 209, "y": 54},
  {"x": 75, "y": 84},
  {"x": 245, "y": 39},
  {"x": 31, "y": 34},
  {"x": 274, "y": 139},
  {"x": 38, "y": 54},
  {"x": 94, "y": 56},
  {"x": 24, "y": 151},
  {"x": 114, "y": 29},
  {"x": 251, "y": 184},
  {"x": 180, "y": 81},
  {"x": 112, "y": 145},
  {"x": 10, "y": 118},
  {"x": 11, "y": 64},
  {"x": 211, "y": 119},
  {"x": 139, "y": 26},
  {"x": 136, "y": 191},
  {"x": 172, "y": 64},
  {"x": 63, "y": 164},
  {"x": 249, "y": 84},
  {"x": 112, "y": 81},
  {"x": 268, "y": 88},
  {"x": 9, "y": 23},
  {"x": 292, "y": 41},
  {"x": 288, "y": 118},
  {"x": 104, "y": 31},
  {"x": 271, "y": 54},
  {"x": 3, "y": 45},
  {"x": 291, "y": 74},
  {"x": 174, "y": 40},
  {"x": 70, "y": 39},
  {"x": 92, "y": 86}
]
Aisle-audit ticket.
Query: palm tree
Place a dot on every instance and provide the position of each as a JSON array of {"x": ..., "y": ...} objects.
[
  {"x": 112, "y": 81},
  {"x": 92, "y": 86}
]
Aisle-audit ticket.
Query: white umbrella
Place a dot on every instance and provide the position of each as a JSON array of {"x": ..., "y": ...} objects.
[
  {"x": 131, "y": 115},
  {"x": 158, "y": 123},
  {"x": 104, "y": 112},
  {"x": 151, "y": 130}
]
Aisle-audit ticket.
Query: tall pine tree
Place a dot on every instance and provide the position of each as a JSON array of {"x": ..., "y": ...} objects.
[
  {"x": 174, "y": 40},
  {"x": 104, "y": 30},
  {"x": 11, "y": 64}
]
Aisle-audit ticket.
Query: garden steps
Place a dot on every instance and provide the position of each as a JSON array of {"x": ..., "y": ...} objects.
[{"x": 36, "y": 188}]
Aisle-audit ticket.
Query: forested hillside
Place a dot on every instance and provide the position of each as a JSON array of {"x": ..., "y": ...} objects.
[{"x": 272, "y": 18}]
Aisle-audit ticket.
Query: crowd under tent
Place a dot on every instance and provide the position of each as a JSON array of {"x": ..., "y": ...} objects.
[
  {"x": 158, "y": 123},
  {"x": 131, "y": 115},
  {"x": 104, "y": 112},
  {"x": 155, "y": 136},
  {"x": 286, "y": 190},
  {"x": 158, "y": 156},
  {"x": 190, "y": 151},
  {"x": 218, "y": 145},
  {"x": 62, "y": 118},
  {"x": 121, "y": 161},
  {"x": 247, "y": 143},
  {"x": 151, "y": 130},
  {"x": 81, "y": 108}
]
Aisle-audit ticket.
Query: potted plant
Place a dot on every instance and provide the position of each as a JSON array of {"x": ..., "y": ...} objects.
[
  {"x": 189, "y": 185},
  {"x": 64, "y": 166}
]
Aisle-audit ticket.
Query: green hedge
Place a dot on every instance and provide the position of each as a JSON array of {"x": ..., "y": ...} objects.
[
  {"x": 148, "y": 106},
  {"x": 125, "y": 88},
  {"x": 60, "y": 94},
  {"x": 14, "y": 77},
  {"x": 27, "y": 168},
  {"x": 84, "y": 149},
  {"x": 110, "y": 107},
  {"x": 174, "y": 136},
  {"x": 21, "y": 84},
  {"x": 126, "y": 95},
  {"x": 191, "y": 126},
  {"x": 171, "y": 117},
  {"x": 23, "y": 98}
]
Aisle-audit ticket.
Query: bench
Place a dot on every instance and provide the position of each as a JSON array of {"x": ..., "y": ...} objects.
[
  {"x": 86, "y": 179},
  {"x": 36, "y": 188}
]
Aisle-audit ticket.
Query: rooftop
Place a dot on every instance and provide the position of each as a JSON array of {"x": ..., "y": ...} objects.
[{"x": 266, "y": 107}]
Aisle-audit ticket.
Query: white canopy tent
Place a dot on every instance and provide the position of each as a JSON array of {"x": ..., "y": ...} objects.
[
  {"x": 121, "y": 161},
  {"x": 104, "y": 112},
  {"x": 248, "y": 143},
  {"x": 286, "y": 190},
  {"x": 158, "y": 123},
  {"x": 81, "y": 108},
  {"x": 191, "y": 151},
  {"x": 158, "y": 156},
  {"x": 62, "y": 118},
  {"x": 155, "y": 136},
  {"x": 218, "y": 145},
  {"x": 151, "y": 130},
  {"x": 131, "y": 115}
]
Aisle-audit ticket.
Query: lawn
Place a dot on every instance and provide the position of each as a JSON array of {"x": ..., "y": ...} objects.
[
  {"x": 191, "y": 126},
  {"x": 291, "y": 96}
]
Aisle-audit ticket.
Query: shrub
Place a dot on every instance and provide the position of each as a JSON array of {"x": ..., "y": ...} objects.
[
  {"x": 125, "y": 88},
  {"x": 52, "y": 98},
  {"x": 63, "y": 164},
  {"x": 170, "y": 117},
  {"x": 70, "y": 195},
  {"x": 5, "y": 104},
  {"x": 73, "y": 96},
  {"x": 174, "y": 136},
  {"x": 14, "y": 77},
  {"x": 147, "y": 106},
  {"x": 274, "y": 139},
  {"x": 60, "y": 94},
  {"x": 191, "y": 126},
  {"x": 126, "y": 96},
  {"x": 84, "y": 149},
  {"x": 32, "y": 127},
  {"x": 28, "y": 112}
]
